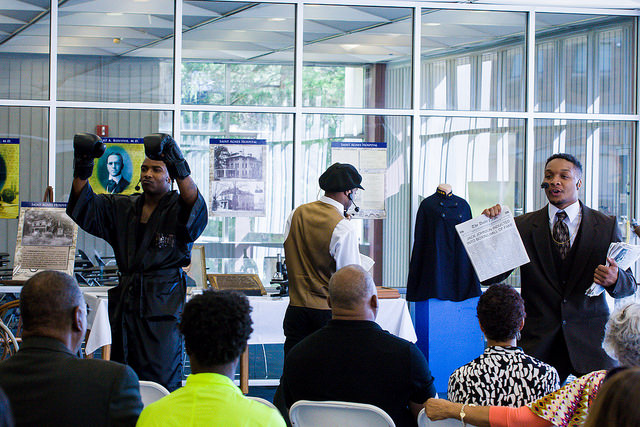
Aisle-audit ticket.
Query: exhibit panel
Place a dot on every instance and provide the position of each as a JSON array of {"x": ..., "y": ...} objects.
[{"x": 23, "y": 165}]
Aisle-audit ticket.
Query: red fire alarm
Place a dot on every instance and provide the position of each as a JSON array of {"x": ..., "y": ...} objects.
[{"x": 102, "y": 131}]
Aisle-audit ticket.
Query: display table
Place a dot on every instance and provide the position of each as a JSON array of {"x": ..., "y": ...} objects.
[{"x": 268, "y": 314}]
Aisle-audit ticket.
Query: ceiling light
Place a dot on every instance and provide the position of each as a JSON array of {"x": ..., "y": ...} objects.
[
  {"x": 432, "y": 24},
  {"x": 349, "y": 46},
  {"x": 114, "y": 13},
  {"x": 277, "y": 19},
  {"x": 117, "y": 40}
]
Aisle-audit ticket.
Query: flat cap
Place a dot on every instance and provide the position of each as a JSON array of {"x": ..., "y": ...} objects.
[{"x": 340, "y": 177}]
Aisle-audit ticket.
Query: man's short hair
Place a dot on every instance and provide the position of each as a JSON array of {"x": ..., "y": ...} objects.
[
  {"x": 568, "y": 157},
  {"x": 216, "y": 326},
  {"x": 115, "y": 153},
  {"x": 349, "y": 286},
  {"x": 48, "y": 300}
]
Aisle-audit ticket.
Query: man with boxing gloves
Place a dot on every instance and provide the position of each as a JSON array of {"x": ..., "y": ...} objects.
[{"x": 151, "y": 235}]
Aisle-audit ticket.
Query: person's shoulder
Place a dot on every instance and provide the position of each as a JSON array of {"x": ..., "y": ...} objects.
[
  {"x": 259, "y": 414},
  {"x": 599, "y": 216},
  {"x": 105, "y": 368}
]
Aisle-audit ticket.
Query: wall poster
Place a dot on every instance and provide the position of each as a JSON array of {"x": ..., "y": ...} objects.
[
  {"x": 236, "y": 177},
  {"x": 370, "y": 158},
  {"x": 118, "y": 170},
  {"x": 9, "y": 177},
  {"x": 46, "y": 239}
]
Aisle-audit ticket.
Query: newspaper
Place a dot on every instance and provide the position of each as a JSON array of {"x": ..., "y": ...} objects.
[
  {"x": 624, "y": 254},
  {"x": 494, "y": 245}
]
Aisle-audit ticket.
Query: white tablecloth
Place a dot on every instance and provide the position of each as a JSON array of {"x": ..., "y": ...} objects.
[
  {"x": 98, "y": 323},
  {"x": 268, "y": 313}
]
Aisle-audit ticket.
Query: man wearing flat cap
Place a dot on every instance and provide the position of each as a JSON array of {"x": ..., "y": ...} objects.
[{"x": 319, "y": 240}]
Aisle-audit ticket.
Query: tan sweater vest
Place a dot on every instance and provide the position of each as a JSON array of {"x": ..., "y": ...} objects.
[{"x": 306, "y": 251}]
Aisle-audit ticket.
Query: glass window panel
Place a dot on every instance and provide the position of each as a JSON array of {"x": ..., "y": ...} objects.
[
  {"x": 24, "y": 49},
  {"x": 237, "y": 53},
  {"x": 244, "y": 244},
  {"x": 603, "y": 148},
  {"x": 386, "y": 241},
  {"x": 472, "y": 60},
  {"x": 481, "y": 158},
  {"x": 30, "y": 125},
  {"x": 585, "y": 63},
  {"x": 357, "y": 56},
  {"x": 112, "y": 51},
  {"x": 122, "y": 124}
]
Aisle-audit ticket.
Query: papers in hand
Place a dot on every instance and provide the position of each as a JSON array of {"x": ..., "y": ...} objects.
[
  {"x": 493, "y": 244},
  {"x": 624, "y": 255}
]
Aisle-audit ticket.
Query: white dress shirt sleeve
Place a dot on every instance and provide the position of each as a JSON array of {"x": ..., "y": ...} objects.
[{"x": 344, "y": 245}]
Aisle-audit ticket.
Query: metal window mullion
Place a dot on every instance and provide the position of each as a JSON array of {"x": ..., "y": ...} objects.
[
  {"x": 298, "y": 127},
  {"x": 177, "y": 73},
  {"x": 529, "y": 140},
  {"x": 53, "y": 92},
  {"x": 416, "y": 120}
]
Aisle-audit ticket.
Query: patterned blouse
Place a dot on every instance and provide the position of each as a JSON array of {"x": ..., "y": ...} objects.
[{"x": 502, "y": 376}]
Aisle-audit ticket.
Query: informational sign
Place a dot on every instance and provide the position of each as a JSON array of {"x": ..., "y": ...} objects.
[
  {"x": 46, "y": 239},
  {"x": 494, "y": 245},
  {"x": 370, "y": 158},
  {"x": 118, "y": 170},
  {"x": 9, "y": 177},
  {"x": 236, "y": 177}
]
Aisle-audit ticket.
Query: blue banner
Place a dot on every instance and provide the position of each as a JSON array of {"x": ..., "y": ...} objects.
[
  {"x": 237, "y": 141},
  {"x": 122, "y": 140},
  {"x": 355, "y": 144},
  {"x": 43, "y": 205},
  {"x": 9, "y": 140}
]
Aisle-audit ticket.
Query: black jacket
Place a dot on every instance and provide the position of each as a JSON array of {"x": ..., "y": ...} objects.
[
  {"x": 555, "y": 301},
  {"x": 47, "y": 385}
]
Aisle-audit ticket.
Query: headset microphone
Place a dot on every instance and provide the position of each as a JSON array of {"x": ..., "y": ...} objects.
[
  {"x": 544, "y": 185},
  {"x": 137, "y": 187},
  {"x": 355, "y": 207}
]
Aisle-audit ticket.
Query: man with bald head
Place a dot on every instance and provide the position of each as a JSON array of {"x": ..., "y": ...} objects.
[
  {"x": 352, "y": 359},
  {"x": 45, "y": 382}
]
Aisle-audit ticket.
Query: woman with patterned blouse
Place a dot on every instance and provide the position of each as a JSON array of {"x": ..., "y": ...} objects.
[
  {"x": 503, "y": 375},
  {"x": 569, "y": 405}
]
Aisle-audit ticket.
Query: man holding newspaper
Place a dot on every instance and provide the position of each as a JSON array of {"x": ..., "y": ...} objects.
[{"x": 567, "y": 244}]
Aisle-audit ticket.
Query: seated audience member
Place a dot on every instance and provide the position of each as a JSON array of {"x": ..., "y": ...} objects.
[
  {"x": 567, "y": 406},
  {"x": 6, "y": 417},
  {"x": 352, "y": 359},
  {"x": 47, "y": 385},
  {"x": 618, "y": 401},
  {"x": 503, "y": 375},
  {"x": 216, "y": 326}
]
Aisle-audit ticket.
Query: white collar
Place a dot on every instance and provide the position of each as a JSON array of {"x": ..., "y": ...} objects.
[
  {"x": 572, "y": 211},
  {"x": 115, "y": 179},
  {"x": 336, "y": 204}
]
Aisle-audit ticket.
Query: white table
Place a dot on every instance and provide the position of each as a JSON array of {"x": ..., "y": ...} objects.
[{"x": 268, "y": 314}]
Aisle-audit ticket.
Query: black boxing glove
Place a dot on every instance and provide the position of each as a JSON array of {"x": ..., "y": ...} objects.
[
  {"x": 161, "y": 146},
  {"x": 86, "y": 147}
]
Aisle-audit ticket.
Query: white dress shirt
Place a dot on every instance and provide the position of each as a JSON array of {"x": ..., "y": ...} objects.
[
  {"x": 573, "y": 219},
  {"x": 344, "y": 241}
]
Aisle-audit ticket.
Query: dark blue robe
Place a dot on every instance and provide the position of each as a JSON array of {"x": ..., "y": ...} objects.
[{"x": 440, "y": 267}]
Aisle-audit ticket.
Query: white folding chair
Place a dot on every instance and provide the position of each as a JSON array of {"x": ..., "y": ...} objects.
[
  {"x": 263, "y": 401},
  {"x": 305, "y": 413},
  {"x": 150, "y": 392},
  {"x": 424, "y": 421}
]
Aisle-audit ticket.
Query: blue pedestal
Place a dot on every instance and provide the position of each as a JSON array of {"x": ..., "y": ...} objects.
[{"x": 449, "y": 336}]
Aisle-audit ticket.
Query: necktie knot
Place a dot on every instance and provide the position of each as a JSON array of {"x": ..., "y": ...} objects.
[
  {"x": 560, "y": 234},
  {"x": 561, "y": 215}
]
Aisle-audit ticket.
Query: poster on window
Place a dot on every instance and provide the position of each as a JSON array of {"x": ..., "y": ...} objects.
[
  {"x": 46, "y": 240},
  {"x": 9, "y": 177},
  {"x": 118, "y": 170},
  {"x": 236, "y": 177},
  {"x": 370, "y": 158}
]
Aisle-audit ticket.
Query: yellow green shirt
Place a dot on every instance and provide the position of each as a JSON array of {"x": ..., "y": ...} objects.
[{"x": 209, "y": 400}]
